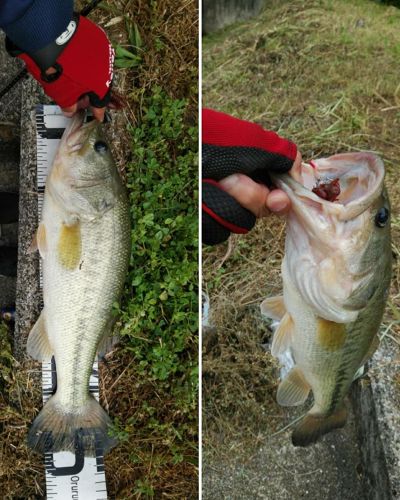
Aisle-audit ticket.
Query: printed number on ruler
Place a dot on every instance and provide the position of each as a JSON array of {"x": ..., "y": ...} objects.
[{"x": 68, "y": 475}]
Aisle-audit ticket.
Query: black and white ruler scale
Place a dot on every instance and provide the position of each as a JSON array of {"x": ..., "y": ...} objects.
[{"x": 68, "y": 475}]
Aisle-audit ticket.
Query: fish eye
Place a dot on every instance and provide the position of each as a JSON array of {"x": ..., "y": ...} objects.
[
  {"x": 381, "y": 217},
  {"x": 100, "y": 147}
]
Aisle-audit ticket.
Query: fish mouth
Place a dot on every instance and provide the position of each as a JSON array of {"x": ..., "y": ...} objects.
[
  {"x": 77, "y": 133},
  {"x": 343, "y": 185},
  {"x": 328, "y": 237}
]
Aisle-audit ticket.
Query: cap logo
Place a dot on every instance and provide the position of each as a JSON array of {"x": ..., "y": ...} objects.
[{"x": 66, "y": 35}]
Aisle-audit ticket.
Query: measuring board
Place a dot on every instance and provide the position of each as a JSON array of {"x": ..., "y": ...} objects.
[{"x": 68, "y": 475}]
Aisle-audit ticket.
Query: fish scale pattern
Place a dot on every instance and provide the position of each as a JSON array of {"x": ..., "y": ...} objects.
[{"x": 79, "y": 302}]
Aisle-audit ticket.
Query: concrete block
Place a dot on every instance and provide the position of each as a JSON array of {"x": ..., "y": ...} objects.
[
  {"x": 384, "y": 390},
  {"x": 28, "y": 296},
  {"x": 220, "y": 13}
]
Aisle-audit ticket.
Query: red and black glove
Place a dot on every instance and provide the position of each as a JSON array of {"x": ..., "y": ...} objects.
[
  {"x": 232, "y": 146},
  {"x": 83, "y": 58}
]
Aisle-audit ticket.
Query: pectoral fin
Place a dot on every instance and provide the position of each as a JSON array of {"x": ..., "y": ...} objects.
[
  {"x": 69, "y": 246},
  {"x": 282, "y": 336},
  {"x": 330, "y": 335},
  {"x": 294, "y": 389},
  {"x": 38, "y": 345},
  {"x": 273, "y": 307}
]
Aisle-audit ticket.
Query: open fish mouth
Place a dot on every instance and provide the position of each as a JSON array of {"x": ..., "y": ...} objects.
[
  {"x": 332, "y": 229},
  {"x": 344, "y": 184},
  {"x": 77, "y": 132}
]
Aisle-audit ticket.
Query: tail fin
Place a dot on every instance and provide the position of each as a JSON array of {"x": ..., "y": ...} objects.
[
  {"x": 57, "y": 430},
  {"x": 312, "y": 427}
]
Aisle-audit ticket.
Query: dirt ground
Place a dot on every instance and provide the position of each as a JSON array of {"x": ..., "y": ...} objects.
[{"x": 325, "y": 75}]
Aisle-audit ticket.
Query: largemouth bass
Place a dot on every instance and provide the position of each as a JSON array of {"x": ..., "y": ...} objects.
[
  {"x": 336, "y": 275},
  {"x": 84, "y": 241}
]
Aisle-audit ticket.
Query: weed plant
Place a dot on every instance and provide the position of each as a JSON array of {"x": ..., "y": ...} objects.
[{"x": 159, "y": 321}]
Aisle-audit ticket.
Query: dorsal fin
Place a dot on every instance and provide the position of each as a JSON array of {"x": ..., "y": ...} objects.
[{"x": 273, "y": 307}]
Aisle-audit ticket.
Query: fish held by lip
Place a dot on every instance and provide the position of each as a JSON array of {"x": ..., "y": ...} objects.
[
  {"x": 336, "y": 275},
  {"x": 84, "y": 241}
]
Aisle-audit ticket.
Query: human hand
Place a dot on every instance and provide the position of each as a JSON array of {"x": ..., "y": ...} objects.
[
  {"x": 237, "y": 159},
  {"x": 256, "y": 197},
  {"x": 77, "y": 69}
]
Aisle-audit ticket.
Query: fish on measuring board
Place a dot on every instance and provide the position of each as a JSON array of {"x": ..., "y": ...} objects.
[
  {"x": 84, "y": 242},
  {"x": 336, "y": 275}
]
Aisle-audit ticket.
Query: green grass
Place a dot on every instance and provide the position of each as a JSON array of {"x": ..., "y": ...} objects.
[
  {"x": 312, "y": 72},
  {"x": 149, "y": 383},
  {"x": 159, "y": 320},
  {"x": 162, "y": 304}
]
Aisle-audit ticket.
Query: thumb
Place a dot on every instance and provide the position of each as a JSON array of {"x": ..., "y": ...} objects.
[
  {"x": 70, "y": 110},
  {"x": 255, "y": 197}
]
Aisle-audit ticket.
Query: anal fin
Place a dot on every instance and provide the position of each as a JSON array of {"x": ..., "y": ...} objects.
[
  {"x": 294, "y": 389},
  {"x": 38, "y": 345},
  {"x": 273, "y": 307}
]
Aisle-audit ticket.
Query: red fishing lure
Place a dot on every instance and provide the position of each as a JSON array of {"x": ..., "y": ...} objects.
[{"x": 327, "y": 190}]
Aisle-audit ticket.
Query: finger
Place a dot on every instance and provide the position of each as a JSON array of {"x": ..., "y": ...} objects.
[
  {"x": 278, "y": 202},
  {"x": 295, "y": 171},
  {"x": 248, "y": 193},
  {"x": 84, "y": 102},
  {"x": 70, "y": 110},
  {"x": 98, "y": 113},
  {"x": 51, "y": 70}
]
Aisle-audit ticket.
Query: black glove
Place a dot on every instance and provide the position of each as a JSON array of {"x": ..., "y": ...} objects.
[{"x": 233, "y": 146}]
